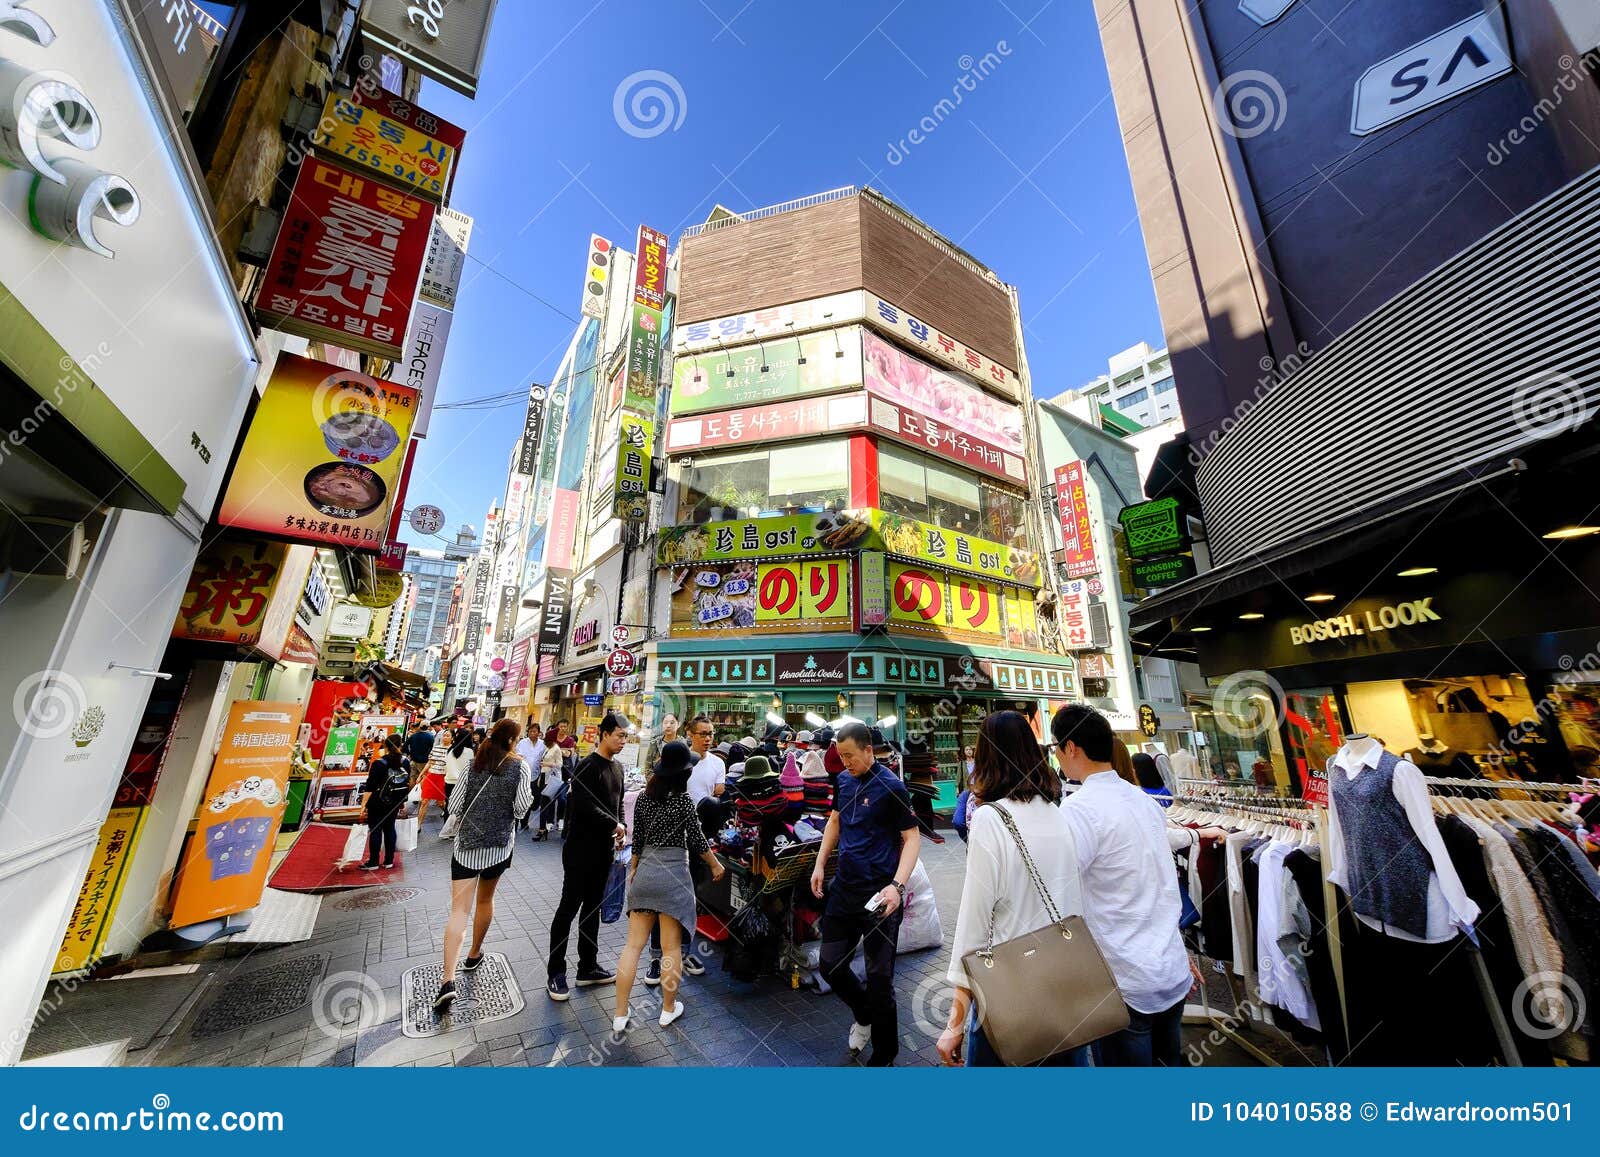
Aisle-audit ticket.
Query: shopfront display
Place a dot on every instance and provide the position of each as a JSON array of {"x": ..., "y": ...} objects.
[{"x": 803, "y": 595}]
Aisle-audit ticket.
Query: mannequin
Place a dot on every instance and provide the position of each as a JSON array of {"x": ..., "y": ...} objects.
[{"x": 1395, "y": 869}]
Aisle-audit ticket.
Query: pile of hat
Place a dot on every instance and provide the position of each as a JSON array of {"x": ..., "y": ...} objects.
[{"x": 758, "y": 794}]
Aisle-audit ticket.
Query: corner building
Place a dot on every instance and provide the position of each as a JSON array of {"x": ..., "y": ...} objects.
[{"x": 847, "y": 523}]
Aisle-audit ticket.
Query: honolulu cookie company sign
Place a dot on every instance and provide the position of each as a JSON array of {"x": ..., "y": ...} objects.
[{"x": 1367, "y": 622}]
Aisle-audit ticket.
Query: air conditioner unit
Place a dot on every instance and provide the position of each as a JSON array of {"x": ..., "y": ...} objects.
[{"x": 1100, "y": 625}]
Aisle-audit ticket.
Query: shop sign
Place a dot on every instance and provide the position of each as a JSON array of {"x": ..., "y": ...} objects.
[
  {"x": 1316, "y": 786},
  {"x": 952, "y": 353},
  {"x": 809, "y": 668},
  {"x": 505, "y": 620},
  {"x": 423, "y": 362},
  {"x": 1095, "y": 665},
  {"x": 340, "y": 752},
  {"x": 1430, "y": 72},
  {"x": 635, "y": 445},
  {"x": 1370, "y": 621},
  {"x": 650, "y": 269},
  {"x": 594, "y": 282},
  {"x": 817, "y": 363},
  {"x": 319, "y": 461},
  {"x": 364, "y": 138},
  {"x": 392, "y": 556},
  {"x": 442, "y": 39},
  {"x": 427, "y": 519},
  {"x": 1154, "y": 528},
  {"x": 278, "y": 621},
  {"x": 620, "y": 662},
  {"x": 224, "y": 869},
  {"x": 934, "y": 435},
  {"x": 1149, "y": 721},
  {"x": 1162, "y": 572},
  {"x": 846, "y": 531},
  {"x": 168, "y": 27},
  {"x": 961, "y": 608},
  {"x": 620, "y": 635},
  {"x": 102, "y": 889},
  {"x": 799, "y": 418},
  {"x": 626, "y": 685},
  {"x": 874, "y": 589},
  {"x": 387, "y": 587},
  {"x": 778, "y": 321},
  {"x": 517, "y": 667},
  {"x": 532, "y": 432},
  {"x": 447, "y": 258},
  {"x": 586, "y": 636},
  {"x": 799, "y": 595},
  {"x": 1072, "y": 612},
  {"x": 229, "y": 589},
  {"x": 347, "y": 261},
  {"x": 942, "y": 399},
  {"x": 553, "y": 614},
  {"x": 1077, "y": 534},
  {"x": 350, "y": 622},
  {"x": 299, "y": 648}
]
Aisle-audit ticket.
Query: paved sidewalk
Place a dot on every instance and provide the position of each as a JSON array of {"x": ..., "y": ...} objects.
[{"x": 354, "y": 1019}]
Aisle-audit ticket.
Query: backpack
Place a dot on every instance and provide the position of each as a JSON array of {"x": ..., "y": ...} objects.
[{"x": 396, "y": 786}]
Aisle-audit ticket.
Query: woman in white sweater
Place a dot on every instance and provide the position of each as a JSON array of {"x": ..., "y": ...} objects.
[{"x": 999, "y": 898}]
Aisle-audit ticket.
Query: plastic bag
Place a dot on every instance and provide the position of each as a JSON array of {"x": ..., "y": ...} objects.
[
  {"x": 616, "y": 891},
  {"x": 355, "y": 845},
  {"x": 920, "y": 927},
  {"x": 405, "y": 834}
]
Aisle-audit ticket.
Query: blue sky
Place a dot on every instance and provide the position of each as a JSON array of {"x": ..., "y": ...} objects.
[{"x": 780, "y": 100}]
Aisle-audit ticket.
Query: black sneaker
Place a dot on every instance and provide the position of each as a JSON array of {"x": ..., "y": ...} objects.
[
  {"x": 472, "y": 964},
  {"x": 652, "y": 975},
  {"x": 594, "y": 977},
  {"x": 372, "y": 867},
  {"x": 557, "y": 988},
  {"x": 447, "y": 996},
  {"x": 693, "y": 965}
]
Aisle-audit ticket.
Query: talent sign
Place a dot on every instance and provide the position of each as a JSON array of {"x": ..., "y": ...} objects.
[
  {"x": 818, "y": 363},
  {"x": 796, "y": 419},
  {"x": 447, "y": 257},
  {"x": 424, "y": 358},
  {"x": 102, "y": 889},
  {"x": 961, "y": 608},
  {"x": 347, "y": 261},
  {"x": 532, "y": 432},
  {"x": 1153, "y": 528},
  {"x": 634, "y": 447},
  {"x": 553, "y": 615},
  {"x": 846, "y": 531},
  {"x": 318, "y": 462},
  {"x": 229, "y": 589},
  {"x": 364, "y": 138},
  {"x": 945, "y": 402},
  {"x": 594, "y": 282},
  {"x": 1077, "y": 533},
  {"x": 443, "y": 39},
  {"x": 946, "y": 349},
  {"x": 1072, "y": 612},
  {"x": 224, "y": 868},
  {"x": 798, "y": 596}
]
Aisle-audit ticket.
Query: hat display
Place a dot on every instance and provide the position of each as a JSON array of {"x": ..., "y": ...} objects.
[
  {"x": 750, "y": 742},
  {"x": 877, "y": 738},
  {"x": 757, "y": 771},
  {"x": 806, "y": 737}
]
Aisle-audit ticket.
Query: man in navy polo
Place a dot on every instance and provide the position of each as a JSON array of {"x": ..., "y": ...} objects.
[{"x": 875, "y": 830}]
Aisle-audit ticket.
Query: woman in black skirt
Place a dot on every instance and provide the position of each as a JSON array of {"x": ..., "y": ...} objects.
[{"x": 665, "y": 833}]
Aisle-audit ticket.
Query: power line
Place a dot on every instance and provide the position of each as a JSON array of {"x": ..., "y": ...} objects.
[{"x": 523, "y": 288}]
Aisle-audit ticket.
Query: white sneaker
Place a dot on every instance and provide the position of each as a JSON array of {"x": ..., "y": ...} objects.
[
  {"x": 860, "y": 1037},
  {"x": 667, "y": 1017},
  {"x": 619, "y": 1025}
]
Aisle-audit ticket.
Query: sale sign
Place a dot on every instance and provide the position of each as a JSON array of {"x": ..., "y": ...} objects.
[
  {"x": 801, "y": 595},
  {"x": 347, "y": 261}
]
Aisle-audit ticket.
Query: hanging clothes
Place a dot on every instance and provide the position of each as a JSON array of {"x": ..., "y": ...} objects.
[
  {"x": 1304, "y": 868},
  {"x": 1244, "y": 935},
  {"x": 1283, "y": 980}
]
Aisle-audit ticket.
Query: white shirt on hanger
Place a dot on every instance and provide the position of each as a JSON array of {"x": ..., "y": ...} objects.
[
  {"x": 1281, "y": 984},
  {"x": 1450, "y": 909}
]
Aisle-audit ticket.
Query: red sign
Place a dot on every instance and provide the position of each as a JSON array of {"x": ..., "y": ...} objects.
[
  {"x": 1316, "y": 787},
  {"x": 621, "y": 662},
  {"x": 1077, "y": 536},
  {"x": 517, "y": 670},
  {"x": 944, "y": 439},
  {"x": 347, "y": 261},
  {"x": 650, "y": 270},
  {"x": 393, "y": 556}
]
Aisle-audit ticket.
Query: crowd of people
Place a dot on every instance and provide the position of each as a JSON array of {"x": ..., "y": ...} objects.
[{"x": 1081, "y": 837}]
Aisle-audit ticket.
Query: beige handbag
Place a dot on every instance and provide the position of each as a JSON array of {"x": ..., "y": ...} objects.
[{"x": 1046, "y": 991}]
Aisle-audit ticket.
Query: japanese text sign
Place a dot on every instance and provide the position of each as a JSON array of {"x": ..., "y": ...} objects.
[{"x": 1077, "y": 533}]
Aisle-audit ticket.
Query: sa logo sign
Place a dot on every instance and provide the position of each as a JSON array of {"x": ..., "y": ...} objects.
[{"x": 1443, "y": 66}]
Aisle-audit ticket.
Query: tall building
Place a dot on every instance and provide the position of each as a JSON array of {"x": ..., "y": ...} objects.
[
  {"x": 433, "y": 572},
  {"x": 1138, "y": 384}
]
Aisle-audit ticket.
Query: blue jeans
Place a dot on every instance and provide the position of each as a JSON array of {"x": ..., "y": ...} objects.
[
  {"x": 1151, "y": 1038},
  {"x": 981, "y": 1055}
]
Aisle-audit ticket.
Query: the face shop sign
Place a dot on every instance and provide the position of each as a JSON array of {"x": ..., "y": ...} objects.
[{"x": 1367, "y": 622}]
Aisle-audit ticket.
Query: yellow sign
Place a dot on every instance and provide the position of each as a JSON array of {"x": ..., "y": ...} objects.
[
  {"x": 102, "y": 888},
  {"x": 366, "y": 139},
  {"x": 958, "y": 606},
  {"x": 1022, "y": 621},
  {"x": 389, "y": 586},
  {"x": 810, "y": 591},
  {"x": 975, "y": 605},
  {"x": 229, "y": 591}
]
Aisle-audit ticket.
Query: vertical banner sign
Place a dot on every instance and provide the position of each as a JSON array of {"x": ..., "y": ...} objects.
[
  {"x": 505, "y": 621},
  {"x": 532, "y": 431},
  {"x": 1073, "y": 614},
  {"x": 644, "y": 333},
  {"x": 447, "y": 257},
  {"x": 224, "y": 868},
  {"x": 634, "y": 447},
  {"x": 424, "y": 358},
  {"x": 594, "y": 282},
  {"x": 553, "y": 615},
  {"x": 874, "y": 589},
  {"x": 102, "y": 889},
  {"x": 1077, "y": 535}
]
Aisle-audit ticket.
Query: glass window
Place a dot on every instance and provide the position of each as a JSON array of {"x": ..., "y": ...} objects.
[
  {"x": 902, "y": 488},
  {"x": 1163, "y": 385},
  {"x": 747, "y": 484},
  {"x": 1128, "y": 401},
  {"x": 920, "y": 486},
  {"x": 810, "y": 477},
  {"x": 723, "y": 487},
  {"x": 1004, "y": 516},
  {"x": 953, "y": 499}
]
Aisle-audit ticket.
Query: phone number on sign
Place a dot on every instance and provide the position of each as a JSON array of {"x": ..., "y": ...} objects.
[{"x": 1404, "y": 1112}]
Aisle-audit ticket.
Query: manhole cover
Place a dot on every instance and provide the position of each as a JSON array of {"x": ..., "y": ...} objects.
[
  {"x": 261, "y": 995},
  {"x": 376, "y": 898},
  {"x": 488, "y": 993}
]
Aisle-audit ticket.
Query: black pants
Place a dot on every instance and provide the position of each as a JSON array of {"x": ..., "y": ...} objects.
[
  {"x": 381, "y": 833},
  {"x": 585, "y": 866},
  {"x": 1151, "y": 1039},
  {"x": 845, "y": 925}
]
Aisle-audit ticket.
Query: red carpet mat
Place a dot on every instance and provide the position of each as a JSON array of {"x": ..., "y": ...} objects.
[{"x": 312, "y": 865}]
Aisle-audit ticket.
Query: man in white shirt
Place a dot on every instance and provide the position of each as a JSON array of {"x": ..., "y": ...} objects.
[
  {"x": 532, "y": 751},
  {"x": 1130, "y": 892},
  {"x": 707, "y": 781}
]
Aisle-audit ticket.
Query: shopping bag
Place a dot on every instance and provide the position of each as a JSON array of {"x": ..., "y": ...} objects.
[
  {"x": 452, "y": 825},
  {"x": 920, "y": 927},
  {"x": 616, "y": 891},
  {"x": 416, "y": 796},
  {"x": 355, "y": 845},
  {"x": 405, "y": 834}
]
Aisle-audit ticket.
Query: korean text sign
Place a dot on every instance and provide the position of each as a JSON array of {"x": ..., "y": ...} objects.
[
  {"x": 941, "y": 398},
  {"x": 800, "y": 595},
  {"x": 347, "y": 261},
  {"x": 322, "y": 456},
  {"x": 365, "y": 138},
  {"x": 1077, "y": 533},
  {"x": 818, "y": 363}
]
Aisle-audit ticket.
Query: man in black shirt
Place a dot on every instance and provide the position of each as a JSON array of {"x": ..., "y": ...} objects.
[{"x": 594, "y": 831}]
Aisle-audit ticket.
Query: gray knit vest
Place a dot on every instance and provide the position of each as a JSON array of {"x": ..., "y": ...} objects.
[
  {"x": 487, "y": 817},
  {"x": 1388, "y": 868}
]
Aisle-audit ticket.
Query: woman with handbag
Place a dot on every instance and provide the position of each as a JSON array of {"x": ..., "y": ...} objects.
[
  {"x": 457, "y": 758},
  {"x": 1022, "y": 881},
  {"x": 494, "y": 792}
]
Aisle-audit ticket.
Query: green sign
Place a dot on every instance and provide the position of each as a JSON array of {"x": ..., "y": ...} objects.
[
  {"x": 634, "y": 447},
  {"x": 1162, "y": 572},
  {"x": 644, "y": 360},
  {"x": 340, "y": 752},
  {"x": 818, "y": 363},
  {"x": 1153, "y": 528}
]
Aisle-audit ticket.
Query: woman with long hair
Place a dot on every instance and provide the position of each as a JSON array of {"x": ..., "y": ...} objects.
[
  {"x": 493, "y": 793},
  {"x": 457, "y": 758},
  {"x": 666, "y": 831},
  {"x": 999, "y": 900}
]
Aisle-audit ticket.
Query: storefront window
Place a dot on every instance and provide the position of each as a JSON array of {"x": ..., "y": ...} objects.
[
  {"x": 1238, "y": 742},
  {"x": 953, "y": 499},
  {"x": 807, "y": 478},
  {"x": 1468, "y": 727},
  {"x": 732, "y": 716},
  {"x": 1314, "y": 732},
  {"x": 920, "y": 486}
]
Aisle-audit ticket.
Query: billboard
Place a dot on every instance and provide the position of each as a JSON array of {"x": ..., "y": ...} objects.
[
  {"x": 942, "y": 399},
  {"x": 447, "y": 257},
  {"x": 229, "y": 589},
  {"x": 800, "y": 595},
  {"x": 1077, "y": 533},
  {"x": 817, "y": 363},
  {"x": 532, "y": 432},
  {"x": 366, "y": 138},
  {"x": 635, "y": 445},
  {"x": 798, "y": 418},
  {"x": 961, "y": 608},
  {"x": 423, "y": 362}
]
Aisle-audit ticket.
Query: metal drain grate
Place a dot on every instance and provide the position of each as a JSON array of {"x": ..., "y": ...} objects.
[
  {"x": 488, "y": 993},
  {"x": 264, "y": 994},
  {"x": 376, "y": 898}
]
